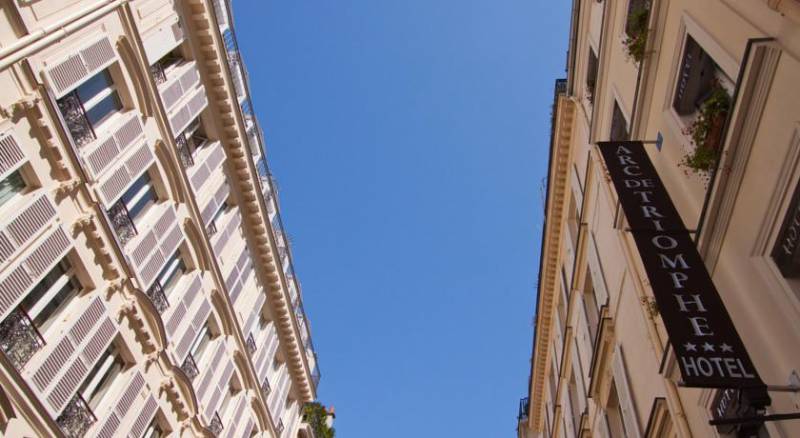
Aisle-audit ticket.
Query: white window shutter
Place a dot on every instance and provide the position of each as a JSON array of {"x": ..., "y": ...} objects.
[
  {"x": 84, "y": 61},
  {"x": 625, "y": 397}
]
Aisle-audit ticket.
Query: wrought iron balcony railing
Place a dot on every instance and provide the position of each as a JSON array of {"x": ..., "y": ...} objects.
[
  {"x": 211, "y": 228},
  {"x": 251, "y": 344},
  {"x": 157, "y": 297},
  {"x": 19, "y": 338},
  {"x": 189, "y": 367},
  {"x": 157, "y": 70},
  {"x": 75, "y": 118},
  {"x": 76, "y": 419},
  {"x": 122, "y": 222},
  {"x": 183, "y": 151},
  {"x": 524, "y": 404},
  {"x": 216, "y": 425}
]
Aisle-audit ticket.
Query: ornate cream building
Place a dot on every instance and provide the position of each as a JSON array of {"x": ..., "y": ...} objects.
[
  {"x": 701, "y": 82},
  {"x": 146, "y": 283}
]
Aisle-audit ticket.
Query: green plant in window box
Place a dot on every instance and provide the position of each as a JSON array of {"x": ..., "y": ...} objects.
[
  {"x": 316, "y": 416},
  {"x": 706, "y": 132},
  {"x": 636, "y": 32}
]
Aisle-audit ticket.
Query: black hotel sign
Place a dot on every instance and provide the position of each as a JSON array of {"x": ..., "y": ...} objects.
[{"x": 709, "y": 351}]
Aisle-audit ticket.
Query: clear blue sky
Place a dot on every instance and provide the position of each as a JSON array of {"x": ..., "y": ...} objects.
[{"x": 409, "y": 139}]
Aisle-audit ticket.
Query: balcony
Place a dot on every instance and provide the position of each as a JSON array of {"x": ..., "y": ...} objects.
[
  {"x": 221, "y": 12},
  {"x": 19, "y": 338},
  {"x": 216, "y": 425},
  {"x": 75, "y": 118},
  {"x": 76, "y": 419},
  {"x": 184, "y": 154},
  {"x": 524, "y": 404},
  {"x": 189, "y": 367},
  {"x": 237, "y": 75},
  {"x": 122, "y": 223},
  {"x": 251, "y": 344}
]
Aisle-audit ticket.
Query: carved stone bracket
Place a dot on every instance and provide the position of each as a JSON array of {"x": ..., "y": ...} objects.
[
  {"x": 99, "y": 246},
  {"x": 170, "y": 389}
]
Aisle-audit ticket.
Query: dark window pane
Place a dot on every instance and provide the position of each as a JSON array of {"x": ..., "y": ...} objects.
[
  {"x": 94, "y": 85},
  {"x": 10, "y": 186},
  {"x": 107, "y": 106}
]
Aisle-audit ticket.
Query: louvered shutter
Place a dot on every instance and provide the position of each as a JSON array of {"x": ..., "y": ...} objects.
[
  {"x": 596, "y": 271},
  {"x": 163, "y": 39},
  {"x": 106, "y": 151},
  {"x": 65, "y": 74},
  {"x": 559, "y": 339},
  {"x": 601, "y": 426},
  {"x": 39, "y": 260},
  {"x": 113, "y": 183},
  {"x": 63, "y": 368},
  {"x": 567, "y": 409},
  {"x": 221, "y": 388},
  {"x": 144, "y": 418},
  {"x": 149, "y": 252},
  {"x": 241, "y": 407},
  {"x": 625, "y": 397},
  {"x": 205, "y": 382},
  {"x": 11, "y": 155},
  {"x": 183, "y": 113},
  {"x": 579, "y": 382},
  {"x": 584, "y": 338}
]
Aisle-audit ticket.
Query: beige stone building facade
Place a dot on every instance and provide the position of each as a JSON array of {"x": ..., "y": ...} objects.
[
  {"x": 146, "y": 283},
  {"x": 708, "y": 85}
]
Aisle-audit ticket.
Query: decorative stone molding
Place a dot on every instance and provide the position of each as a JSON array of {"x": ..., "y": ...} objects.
[
  {"x": 212, "y": 62},
  {"x": 87, "y": 225}
]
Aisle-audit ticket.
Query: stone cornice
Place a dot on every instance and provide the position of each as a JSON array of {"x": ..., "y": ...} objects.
[
  {"x": 222, "y": 97},
  {"x": 551, "y": 252}
]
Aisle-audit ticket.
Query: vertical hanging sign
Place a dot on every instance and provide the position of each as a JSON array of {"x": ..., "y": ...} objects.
[{"x": 709, "y": 351}]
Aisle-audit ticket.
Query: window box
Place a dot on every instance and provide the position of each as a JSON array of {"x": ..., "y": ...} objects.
[
  {"x": 706, "y": 132},
  {"x": 636, "y": 29}
]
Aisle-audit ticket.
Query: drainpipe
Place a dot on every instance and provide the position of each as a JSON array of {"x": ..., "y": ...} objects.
[{"x": 35, "y": 41}]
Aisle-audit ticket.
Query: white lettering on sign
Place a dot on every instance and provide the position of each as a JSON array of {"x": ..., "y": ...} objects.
[{"x": 715, "y": 367}]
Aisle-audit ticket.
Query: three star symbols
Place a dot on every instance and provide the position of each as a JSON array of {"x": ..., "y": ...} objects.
[{"x": 723, "y": 347}]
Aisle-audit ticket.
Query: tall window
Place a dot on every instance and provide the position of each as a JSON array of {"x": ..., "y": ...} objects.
[
  {"x": 192, "y": 139},
  {"x": 590, "y": 305},
  {"x": 162, "y": 68},
  {"x": 591, "y": 75},
  {"x": 213, "y": 224},
  {"x": 573, "y": 221},
  {"x": 10, "y": 186},
  {"x": 24, "y": 331},
  {"x": 153, "y": 430},
  {"x": 129, "y": 211},
  {"x": 573, "y": 403},
  {"x": 171, "y": 275},
  {"x": 698, "y": 78},
  {"x": 200, "y": 344},
  {"x": 614, "y": 414},
  {"x": 619, "y": 127},
  {"x": 102, "y": 377},
  {"x": 88, "y": 106}
]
